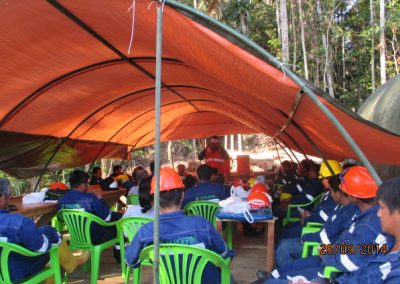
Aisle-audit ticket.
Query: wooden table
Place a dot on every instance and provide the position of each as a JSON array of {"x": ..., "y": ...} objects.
[
  {"x": 42, "y": 213},
  {"x": 269, "y": 239}
]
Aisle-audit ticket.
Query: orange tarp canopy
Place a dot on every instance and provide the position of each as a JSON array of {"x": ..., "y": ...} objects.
[{"x": 69, "y": 84}]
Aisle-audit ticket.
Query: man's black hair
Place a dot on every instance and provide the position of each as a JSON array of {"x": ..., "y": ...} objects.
[
  {"x": 389, "y": 194},
  {"x": 189, "y": 181},
  {"x": 152, "y": 167},
  {"x": 170, "y": 198},
  {"x": 77, "y": 177},
  {"x": 214, "y": 171},
  {"x": 368, "y": 200},
  {"x": 116, "y": 167},
  {"x": 308, "y": 164},
  {"x": 145, "y": 198},
  {"x": 214, "y": 137},
  {"x": 204, "y": 172},
  {"x": 334, "y": 182},
  {"x": 95, "y": 170}
]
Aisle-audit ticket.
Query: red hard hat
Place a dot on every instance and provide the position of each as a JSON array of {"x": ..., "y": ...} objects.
[
  {"x": 57, "y": 185},
  {"x": 238, "y": 182},
  {"x": 358, "y": 182},
  {"x": 258, "y": 200},
  {"x": 169, "y": 179},
  {"x": 260, "y": 187}
]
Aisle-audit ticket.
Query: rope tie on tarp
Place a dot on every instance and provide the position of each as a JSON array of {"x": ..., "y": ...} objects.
[
  {"x": 162, "y": 2},
  {"x": 133, "y": 8}
]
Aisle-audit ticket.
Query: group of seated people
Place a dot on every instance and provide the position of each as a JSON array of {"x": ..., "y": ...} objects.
[{"x": 358, "y": 220}]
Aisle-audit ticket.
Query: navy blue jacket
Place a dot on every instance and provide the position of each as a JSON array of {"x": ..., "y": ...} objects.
[
  {"x": 204, "y": 191},
  {"x": 180, "y": 229},
  {"x": 383, "y": 269},
  {"x": 75, "y": 199},
  {"x": 20, "y": 230},
  {"x": 305, "y": 190},
  {"x": 334, "y": 226},
  {"x": 323, "y": 210},
  {"x": 364, "y": 229}
]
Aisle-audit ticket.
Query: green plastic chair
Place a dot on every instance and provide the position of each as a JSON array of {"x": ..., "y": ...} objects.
[
  {"x": 54, "y": 269},
  {"x": 133, "y": 199},
  {"x": 310, "y": 230},
  {"x": 290, "y": 219},
  {"x": 314, "y": 225},
  {"x": 310, "y": 246},
  {"x": 184, "y": 264},
  {"x": 328, "y": 270},
  {"x": 205, "y": 209},
  {"x": 128, "y": 227},
  {"x": 78, "y": 225}
]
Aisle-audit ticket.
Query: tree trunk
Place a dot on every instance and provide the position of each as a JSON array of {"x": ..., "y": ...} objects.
[
  {"x": 372, "y": 24},
  {"x": 382, "y": 43},
  {"x": 278, "y": 20},
  {"x": 226, "y": 141},
  {"x": 395, "y": 49},
  {"x": 232, "y": 143},
  {"x": 292, "y": 3},
  {"x": 328, "y": 80},
  {"x": 244, "y": 20},
  {"x": 303, "y": 41},
  {"x": 194, "y": 145},
  {"x": 240, "y": 142},
  {"x": 343, "y": 64},
  {"x": 284, "y": 31},
  {"x": 169, "y": 154}
]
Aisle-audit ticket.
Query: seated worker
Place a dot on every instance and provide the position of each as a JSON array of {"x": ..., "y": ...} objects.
[
  {"x": 385, "y": 268},
  {"x": 364, "y": 228},
  {"x": 204, "y": 190},
  {"x": 307, "y": 187},
  {"x": 177, "y": 228},
  {"x": 323, "y": 210},
  {"x": 96, "y": 176},
  {"x": 20, "y": 230},
  {"x": 286, "y": 174},
  {"x": 139, "y": 175},
  {"x": 181, "y": 171},
  {"x": 291, "y": 249},
  {"x": 145, "y": 207},
  {"x": 79, "y": 198}
]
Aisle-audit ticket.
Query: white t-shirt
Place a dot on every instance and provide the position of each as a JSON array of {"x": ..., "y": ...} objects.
[
  {"x": 135, "y": 211},
  {"x": 133, "y": 190}
]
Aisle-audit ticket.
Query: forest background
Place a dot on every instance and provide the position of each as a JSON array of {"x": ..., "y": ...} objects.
[{"x": 346, "y": 47}]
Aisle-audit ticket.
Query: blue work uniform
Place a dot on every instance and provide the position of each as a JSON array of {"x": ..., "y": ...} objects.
[
  {"x": 307, "y": 190},
  {"x": 204, "y": 191},
  {"x": 290, "y": 249},
  {"x": 385, "y": 268},
  {"x": 177, "y": 228},
  {"x": 319, "y": 214},
  {"x": 365, "y": 228},
  {"x": 88, "y": 202},
  {"x": 334, "y": 226},
  {"x": 20, "y": 230}
]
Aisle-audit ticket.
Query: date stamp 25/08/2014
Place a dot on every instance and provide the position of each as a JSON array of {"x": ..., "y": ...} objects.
[{"x": 363, "y": 249}]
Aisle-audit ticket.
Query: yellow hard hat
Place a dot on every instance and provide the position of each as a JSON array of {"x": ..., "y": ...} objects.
[
  {"x": 251, "y": 181},
  {"x": 324, "y": 171},
  {"x": 285, "y": 196}
]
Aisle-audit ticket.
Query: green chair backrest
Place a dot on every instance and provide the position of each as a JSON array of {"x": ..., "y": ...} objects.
[
  {"x": 78, "y": 225},
  {"x": 54, "y": 269},
  {"x": 184, "y": 264},
  {"x": 133, "y": 199},
  {"x": 128, "y": 227},
  {"x": 290, "y": 219},
  {"x": 328, "y": 270},
  {"x": 205, "y": 209}
]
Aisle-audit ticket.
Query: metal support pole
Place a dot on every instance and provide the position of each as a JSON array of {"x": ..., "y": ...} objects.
[
  {"x": 279, "y": 157},
  {"x": 290, "y": 150},
  {"x": 157, "y": 155}
]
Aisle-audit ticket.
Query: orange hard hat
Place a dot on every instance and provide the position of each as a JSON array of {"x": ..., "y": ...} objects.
[
  {"x": 260, "y": 187},
  {"x": 357, "y": 182},
  {"x": 57, "y": 185},
  {"x": 169, "y": 180},
  {"x": 258, "y": 200}
]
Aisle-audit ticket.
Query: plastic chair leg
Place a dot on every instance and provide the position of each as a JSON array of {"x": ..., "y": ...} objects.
[
  {"x": 95, "y": 264},
  {"x": 137, "y": 275},
  {"x": 229, "y": 235}
]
